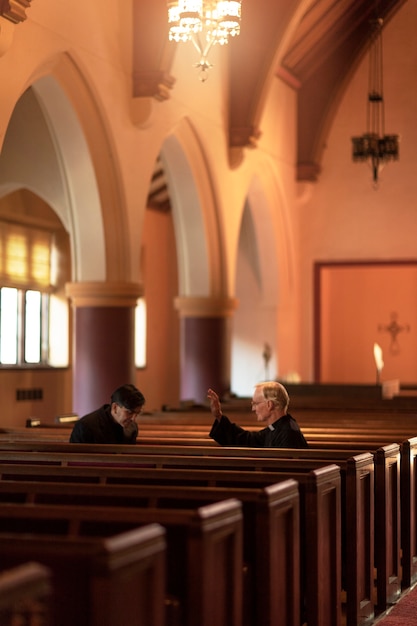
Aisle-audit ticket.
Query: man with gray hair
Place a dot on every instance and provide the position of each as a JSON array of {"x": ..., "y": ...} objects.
[{"x": 270, "y": 403}]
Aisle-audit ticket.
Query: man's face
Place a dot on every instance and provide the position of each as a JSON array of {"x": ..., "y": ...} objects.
[
  {"x": 124, "y": 416},
  {"x": 260, "y": 406}
]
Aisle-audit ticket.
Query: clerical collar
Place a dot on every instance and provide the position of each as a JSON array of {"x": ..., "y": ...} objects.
[{"x": 271, "y": 427}]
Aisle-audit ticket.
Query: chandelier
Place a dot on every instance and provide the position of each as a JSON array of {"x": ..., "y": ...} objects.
[
  {"x": 375, "y": 146},
  {"x": 204, "y": 23}
]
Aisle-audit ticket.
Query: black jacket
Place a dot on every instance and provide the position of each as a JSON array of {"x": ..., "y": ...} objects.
[
  {"x": 100, "y": 427},
  {"x": 284, "y": 433}
]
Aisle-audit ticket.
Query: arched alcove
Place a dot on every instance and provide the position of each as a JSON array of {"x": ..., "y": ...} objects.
[
  {"x": 45, "y": 151},
  {"x": 203, "y": 302},
  {"x": 58, "y": 147},
  {"x": 262, "y": 285}
]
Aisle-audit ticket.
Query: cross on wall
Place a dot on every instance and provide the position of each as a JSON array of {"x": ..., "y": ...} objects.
[{"x": 394, "y": 329}]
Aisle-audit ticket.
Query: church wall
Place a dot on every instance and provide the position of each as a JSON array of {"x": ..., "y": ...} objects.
[
  {"x": 267, "y": 305},
  {"x": 159, "y": 379},
  {"x": 345, "y": 218}
]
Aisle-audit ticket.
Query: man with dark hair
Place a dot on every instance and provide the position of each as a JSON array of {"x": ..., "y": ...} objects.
[{"x": 114, "y": 422}]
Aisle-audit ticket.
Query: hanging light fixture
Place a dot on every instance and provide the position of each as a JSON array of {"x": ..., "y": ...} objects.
[
  {"x": 375, "y": 146},
  {"x": 204, "y": 23}
]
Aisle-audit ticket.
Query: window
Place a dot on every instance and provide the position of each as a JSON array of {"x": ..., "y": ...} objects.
[
  {"x": 25, "y": 256},
  {"x": 25, "y": 287},
  {"x": 140, "y": 333},
  {"x": 23, "y": 326}
]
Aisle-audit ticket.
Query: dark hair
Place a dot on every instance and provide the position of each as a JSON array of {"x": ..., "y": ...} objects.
[{"x": 129, "y": 397}]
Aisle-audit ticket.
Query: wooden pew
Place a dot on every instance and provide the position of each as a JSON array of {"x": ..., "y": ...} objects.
[
  {"x": 409, "y": 511},
  {"x": 321, "y": 512},
  {"x": 387, "y": 506},
  {"x": 102, "y": 581},
  {"x": 376, "y": 416},
  {"x": 204, "y": 559},
  {"x": 387, "y": 525},
  {"x": 366, "y": 428},
  {"x": 387, "y": 501},
  {"x": 199, "y": 434},
  {"x": 337, "y": 396},
  {"x": 309, "y": 419},
  {"x": 372, "y": 413},
  {"x": 175, "y": 446},
  {"x": 383, "y": 414},
  {"x": 261, "y": 459},
  {"x": 326, "y": 485},
  {"x": 322, "y": 440},
  {"x": 26, "y": 595},
  {"x": 271, "y": 532}
]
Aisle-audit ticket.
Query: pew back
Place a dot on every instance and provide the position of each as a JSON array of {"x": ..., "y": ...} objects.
[
  {"x": 26, "y": 595},
  {"x": 203, "y": 553},
  {"x": 320, "y": 490},
  {"x": 271, "y": 533},
  {"x": 91, "y": 576}
]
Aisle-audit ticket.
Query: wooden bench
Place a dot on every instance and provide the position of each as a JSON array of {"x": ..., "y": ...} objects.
[
  {"x": 26, "y": 595},
  {"x": 203, "y": 563},
  {"x": 409, "y": 511},
  {"x": 321, "y": 498},
  {"x": 359, "y": 565},
  {"x": 339, "y": 396},
  {"x": 202, "y": 422},
  {"x": 313, "y": 487},
  {"x": 185, "y": 436},
  {"x": 387, "y": 494},
  {"x": 387, "y": 525},
  {"x": 271, "y": 532},
  {"x": 367, "y": 429},
  {"x": 102, "y": 581},
  {"x": 357, "y": 431},
  {"x": 175, "y": 446}
]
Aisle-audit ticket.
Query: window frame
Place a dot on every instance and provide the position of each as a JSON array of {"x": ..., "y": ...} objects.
[{"x": 21, "y": 362}]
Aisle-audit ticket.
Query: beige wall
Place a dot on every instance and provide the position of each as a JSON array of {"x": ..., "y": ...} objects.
[
  {"x": 159, "y": 380},
  {"x": 57, "y": 395},
  {"x": 344, "y": 218},
  {"x": 363, "y": 304}
]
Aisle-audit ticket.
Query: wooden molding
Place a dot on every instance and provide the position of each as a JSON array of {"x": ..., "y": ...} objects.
[
  {"x": 154, "y": 84},
  {"x": 14, "y": 10},
  {"x": 108, "y": 294},
  {"x": 205, "y": 307}
]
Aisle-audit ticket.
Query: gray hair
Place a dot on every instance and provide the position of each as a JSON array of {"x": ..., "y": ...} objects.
[{"x": 271, "y": 390}]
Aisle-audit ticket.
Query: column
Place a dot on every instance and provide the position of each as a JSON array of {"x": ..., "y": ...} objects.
[
  {"x": 205, "y": 340},
  {"x": 103, "y": 340}
]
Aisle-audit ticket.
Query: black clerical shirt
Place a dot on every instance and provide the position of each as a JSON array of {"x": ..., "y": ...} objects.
[{"x": 284, "y": 433}]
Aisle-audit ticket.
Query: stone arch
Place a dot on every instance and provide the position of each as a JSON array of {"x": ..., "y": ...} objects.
[
  {"x": 203, "y": 303},
  {"x": 77, "y": 202},
  {"x": 263, "y": 285},
  {"x": 201, "y": 266},
  {"x": 66, "y": 159},
  {"x": 95, "y": 201}
]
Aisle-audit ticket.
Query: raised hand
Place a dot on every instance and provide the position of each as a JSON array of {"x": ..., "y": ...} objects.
[{"x": 215, "y": 406}]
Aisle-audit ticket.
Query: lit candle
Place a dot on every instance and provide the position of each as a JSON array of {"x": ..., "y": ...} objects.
[{"x": 378, "y": 361}]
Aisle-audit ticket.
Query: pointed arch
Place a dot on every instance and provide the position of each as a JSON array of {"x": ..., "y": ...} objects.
[
  {"x": 93, "y": 185},
  {"x": 201, "y": 262},
  {"x": 264, "y": 284}
]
